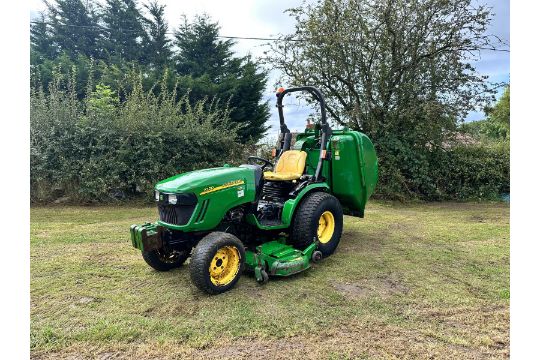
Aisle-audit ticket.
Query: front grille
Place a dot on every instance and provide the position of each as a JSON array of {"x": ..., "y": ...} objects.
[
  {"x": 175, "y": 214},
  {"x": 179, "y": 213}
]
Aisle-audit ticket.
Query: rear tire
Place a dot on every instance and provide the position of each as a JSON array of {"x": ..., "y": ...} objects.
[
  {"x": 165, "y": 261},
  {"x": 319, "y": 217},
  {"x": 217, "y": 262}
]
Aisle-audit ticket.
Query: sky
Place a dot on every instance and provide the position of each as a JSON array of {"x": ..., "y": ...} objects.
[{"x": 266, "y": 18}]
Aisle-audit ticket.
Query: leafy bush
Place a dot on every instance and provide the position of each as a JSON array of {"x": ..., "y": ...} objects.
[
  {"x": 462, "y": 172},
  {"x": 472, "y": 172},
  {"x": 100, "y": 149}
]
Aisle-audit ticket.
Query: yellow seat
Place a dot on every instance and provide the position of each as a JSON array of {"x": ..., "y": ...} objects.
[{"x": 290, "y": 166}]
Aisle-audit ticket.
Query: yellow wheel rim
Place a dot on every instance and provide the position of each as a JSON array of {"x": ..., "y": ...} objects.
[
  {"x": 326, "y": 227},
  {"x": 224, "y": 266}
]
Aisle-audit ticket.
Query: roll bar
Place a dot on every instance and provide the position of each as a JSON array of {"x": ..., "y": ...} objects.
[{"x": 286, "y": 133}]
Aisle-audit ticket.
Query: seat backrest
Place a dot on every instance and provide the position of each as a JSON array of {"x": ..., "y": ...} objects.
[{"x": 291, "y": 161}]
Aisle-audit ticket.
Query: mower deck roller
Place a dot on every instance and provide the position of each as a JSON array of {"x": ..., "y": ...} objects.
[{"x": 272, "y": 217}]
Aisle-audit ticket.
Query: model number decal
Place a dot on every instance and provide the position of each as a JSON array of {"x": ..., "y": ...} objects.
[
  {"x": 240, "y": 191},
  {"x": 211, "y": 189}
]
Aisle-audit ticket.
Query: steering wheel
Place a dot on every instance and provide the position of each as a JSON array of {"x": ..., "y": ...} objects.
[{"x": 255, "y": 160}]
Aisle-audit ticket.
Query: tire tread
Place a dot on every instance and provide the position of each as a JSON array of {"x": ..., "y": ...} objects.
[
  {"x": 153, "y": 260},
  {"x": 303, "y": 220},
  {"x": 205, "y": 249}
]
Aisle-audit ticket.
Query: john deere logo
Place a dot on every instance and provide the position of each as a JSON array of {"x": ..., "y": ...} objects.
[{"x": 211, "y": 189}]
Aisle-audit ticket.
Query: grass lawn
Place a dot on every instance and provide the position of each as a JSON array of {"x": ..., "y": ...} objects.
[{"x": 407, "y": 281}]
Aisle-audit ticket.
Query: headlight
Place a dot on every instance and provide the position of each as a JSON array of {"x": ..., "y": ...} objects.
[
  {"x": 156, "y": 195},
  {"x": 172, "y": 199}
]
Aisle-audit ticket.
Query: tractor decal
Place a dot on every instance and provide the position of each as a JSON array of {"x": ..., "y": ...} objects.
[{"x": 227, "y": 185}]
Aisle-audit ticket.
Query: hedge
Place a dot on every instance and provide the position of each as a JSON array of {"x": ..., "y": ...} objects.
[
  {"x": 99, "y": 150},
  {"x": 461, "y": 172}
]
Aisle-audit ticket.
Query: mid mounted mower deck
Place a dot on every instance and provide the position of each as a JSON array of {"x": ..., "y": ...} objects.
[{"x": 274, "y": 223}]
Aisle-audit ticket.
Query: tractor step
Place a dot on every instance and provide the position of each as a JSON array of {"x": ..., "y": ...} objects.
[
  {"x": 279, "y": 259},
  {"x": 265, "y": 222}
]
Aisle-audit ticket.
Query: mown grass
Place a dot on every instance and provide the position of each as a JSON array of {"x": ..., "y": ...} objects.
[{"x": 415, "y": 280}]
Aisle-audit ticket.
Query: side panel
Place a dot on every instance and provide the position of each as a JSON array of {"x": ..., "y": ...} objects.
[{"x": 371, "y": 164}]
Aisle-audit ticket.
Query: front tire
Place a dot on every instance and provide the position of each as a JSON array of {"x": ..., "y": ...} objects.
[
  {"x": 162, "y": 260},
  {"x": 319, "y": 217},
  {"x": 217, "y": 262}
]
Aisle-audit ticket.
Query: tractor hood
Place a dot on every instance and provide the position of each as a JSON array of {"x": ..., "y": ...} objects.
[{"x": 208, "y": 182}]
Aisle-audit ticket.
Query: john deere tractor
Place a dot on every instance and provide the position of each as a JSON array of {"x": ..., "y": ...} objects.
[{"x": 269, "y": 217}]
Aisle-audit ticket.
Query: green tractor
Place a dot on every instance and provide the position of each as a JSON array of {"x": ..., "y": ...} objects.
[{"x": 270, "y": 218}]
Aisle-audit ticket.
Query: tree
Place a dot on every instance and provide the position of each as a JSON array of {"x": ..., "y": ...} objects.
[
  {"x": 157, "y": 47},
  {"x": 123, "y": 32},
  {"x": 102, "y": 100},
  {"x": 210, "y": 70},
  {"x": 495, "y": 128},
  {"x": 383, "y": 62},
  {"x": 400, "y": 71},
  {"x": 498, "y": 121},
  {"x": 200, "y": 51},
  {"x": 74, "y": 27},
  {"x": 41, "y": 40}
]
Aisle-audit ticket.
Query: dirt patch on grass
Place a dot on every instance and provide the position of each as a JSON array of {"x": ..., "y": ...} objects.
[
  {"x": 186, "y": 310},
  {"x": 384, "y": 286},
  {"x": 109, "y": 356},
  {"x": 477, "y": 218},
  {"x": 86, "y": 300},
  {"x": 352, "y": 290}
]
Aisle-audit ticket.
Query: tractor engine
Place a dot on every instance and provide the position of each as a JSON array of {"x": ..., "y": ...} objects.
[{"x": 274, "y": 195}]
